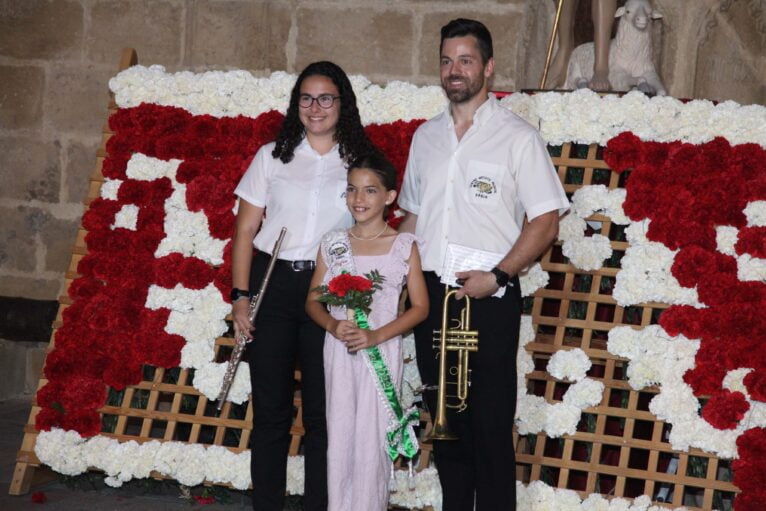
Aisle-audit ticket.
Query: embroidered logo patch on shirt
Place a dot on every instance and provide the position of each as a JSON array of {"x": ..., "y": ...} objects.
[{"x": 483, "y": 187}]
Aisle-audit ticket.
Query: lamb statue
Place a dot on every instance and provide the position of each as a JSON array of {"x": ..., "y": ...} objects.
[{"x": 630, "y": 53}]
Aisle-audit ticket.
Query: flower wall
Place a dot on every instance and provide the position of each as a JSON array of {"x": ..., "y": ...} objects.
[{"x": 153, "y": 288}]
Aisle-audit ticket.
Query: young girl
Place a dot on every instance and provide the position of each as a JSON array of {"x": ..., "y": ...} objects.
[{"x": 358, "y": 411}]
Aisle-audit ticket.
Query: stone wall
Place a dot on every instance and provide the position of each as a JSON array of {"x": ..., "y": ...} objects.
[{"x": 57, "y": 55}]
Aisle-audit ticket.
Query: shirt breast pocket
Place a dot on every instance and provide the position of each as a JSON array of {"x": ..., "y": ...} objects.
[{"x": 484, "y": 181}]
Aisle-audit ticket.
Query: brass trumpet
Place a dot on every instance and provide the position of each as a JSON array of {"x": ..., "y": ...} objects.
[{"x": 461, "y": 339}]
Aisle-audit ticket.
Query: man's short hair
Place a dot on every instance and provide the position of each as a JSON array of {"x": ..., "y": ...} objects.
[{"x": 461, "y": 27}]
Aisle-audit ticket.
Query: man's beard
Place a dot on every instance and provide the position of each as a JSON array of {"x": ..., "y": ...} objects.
[{"x": 462, "y": 95}]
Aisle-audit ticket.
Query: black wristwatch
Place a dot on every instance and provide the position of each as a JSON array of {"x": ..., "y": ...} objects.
[
  {"x": 501, "y": 277},
  {"x": 236, "y": 294}
]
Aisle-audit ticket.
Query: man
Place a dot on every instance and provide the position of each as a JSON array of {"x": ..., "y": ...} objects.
[{"x": 474, "y": 173}]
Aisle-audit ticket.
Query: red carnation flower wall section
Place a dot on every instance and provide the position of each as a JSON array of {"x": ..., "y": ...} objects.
[
  {"x": 108, "y": 334},
  {"x": 686, "y": 191}
]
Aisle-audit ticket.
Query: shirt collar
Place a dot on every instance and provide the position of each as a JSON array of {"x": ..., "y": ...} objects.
[
  {"x": 480, "y": 117},
  {"x": 304, "y": 146}
]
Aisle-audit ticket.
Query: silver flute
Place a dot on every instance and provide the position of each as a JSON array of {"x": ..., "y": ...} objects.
[{"x": 242, "y": 339}]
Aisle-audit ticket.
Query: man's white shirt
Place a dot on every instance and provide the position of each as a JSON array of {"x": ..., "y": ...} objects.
[{"x": 475, "y": 192}]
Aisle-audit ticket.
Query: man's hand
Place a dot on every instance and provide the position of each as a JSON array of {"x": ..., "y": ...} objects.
[{"x": 476, "y": 284}]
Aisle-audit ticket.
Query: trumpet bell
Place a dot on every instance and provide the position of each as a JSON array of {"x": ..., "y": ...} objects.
[{"x": 440, "y": 431}]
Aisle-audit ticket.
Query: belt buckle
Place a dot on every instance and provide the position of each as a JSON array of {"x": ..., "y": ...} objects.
[{"x": 302, "y": 265}]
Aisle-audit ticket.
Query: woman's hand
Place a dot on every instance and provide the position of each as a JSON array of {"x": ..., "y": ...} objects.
[
  {"x": 242, "y": 324},
  {"x": 359, "y": 339}
]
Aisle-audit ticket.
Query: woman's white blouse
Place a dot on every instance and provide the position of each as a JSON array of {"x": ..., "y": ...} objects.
[{"x": 306, "y": 195}]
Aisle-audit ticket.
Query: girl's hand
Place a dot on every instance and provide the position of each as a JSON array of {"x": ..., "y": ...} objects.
[
  {"x": 242, "y": 324},
  {"x": 341, "y": 329},
  {"x": 359, "y": 339}
]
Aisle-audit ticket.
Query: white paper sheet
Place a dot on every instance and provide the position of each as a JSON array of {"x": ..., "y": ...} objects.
[{"x": 462, "y": 258}]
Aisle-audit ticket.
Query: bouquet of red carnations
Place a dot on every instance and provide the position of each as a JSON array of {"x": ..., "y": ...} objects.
[{"x": 351, "y": 291}]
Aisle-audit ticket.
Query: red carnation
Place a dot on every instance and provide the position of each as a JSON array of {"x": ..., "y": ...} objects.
[
  {"x": 84, "y": 287},
  {"x": 344, "y": 283},
  {"x": 622, "y": 152},
  {"x": 752, "y": 240},
  {"x": 725, "y": 409},
  {"x": 85, "y": 422},
  {"x": 48, "y": 395},
  {"x": 115, "y": 166},
  {"x": 755, "y": 381},
  {"x": 83, "y": 392},
  {"x": 47, "y": 418},
  {"x": 195, "y": 273}
]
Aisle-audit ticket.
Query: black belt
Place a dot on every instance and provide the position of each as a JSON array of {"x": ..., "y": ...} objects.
[{"x": 306, "y": 265}]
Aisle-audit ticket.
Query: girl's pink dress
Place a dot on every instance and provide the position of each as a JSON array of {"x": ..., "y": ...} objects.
[{"x": 358, "y": 466}]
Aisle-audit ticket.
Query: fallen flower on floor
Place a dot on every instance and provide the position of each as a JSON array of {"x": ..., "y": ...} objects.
[{"x": 204, "y": 500}]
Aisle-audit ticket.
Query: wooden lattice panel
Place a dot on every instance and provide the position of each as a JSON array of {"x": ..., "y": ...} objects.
[{"x": 620, "y": 448}]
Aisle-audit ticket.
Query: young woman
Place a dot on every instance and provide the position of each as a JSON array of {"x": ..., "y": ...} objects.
[
  {"x": 358, "y": 415},
  {"x": 300, "y": 182}
]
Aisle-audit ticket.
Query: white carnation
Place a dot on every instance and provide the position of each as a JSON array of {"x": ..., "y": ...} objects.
[
  {"x": 533, "y": 279},
  {"x": 562, "y": 419},
  {"x": 531, "y": 413},
  {"x": 569, "y": 364},
  {"x": 755, "y": 212},
  {"x": 146, "y": 168},
  {"x": 126, "y": 218},
  {"x": 751, "y": 268},
  {"x": 526, "y": 331},
  {"x": 589, "y": 199},
  {"x": 726, "y": 238},
  {"x": 295, "y": 475},
  {"x": 585, "y": 393},
  {"x": 110, "y": 188},
  {"x": 571, "y": 227},
  {"x": 61, "y": 450},
  {"x": 588, "y": 253},
  {"x": 595, "y": 502}
]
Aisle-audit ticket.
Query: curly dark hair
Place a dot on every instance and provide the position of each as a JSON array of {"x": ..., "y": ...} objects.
[{"x": 349, "y": 133}]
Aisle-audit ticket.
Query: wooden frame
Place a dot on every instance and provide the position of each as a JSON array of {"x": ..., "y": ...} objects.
[{"x": 619, "y": 448}]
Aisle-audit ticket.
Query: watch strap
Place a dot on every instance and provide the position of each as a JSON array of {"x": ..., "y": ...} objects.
[
  {"x": 501, "y": 277},
  {"x": 237, "y": 294}
]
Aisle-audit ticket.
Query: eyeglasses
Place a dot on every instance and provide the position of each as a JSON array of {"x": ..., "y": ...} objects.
[{"x": 324, "y": 101}]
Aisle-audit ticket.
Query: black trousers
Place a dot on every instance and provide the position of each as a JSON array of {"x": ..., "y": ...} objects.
[
  {"x": 481, "y": 464},
  {"x": 283, "y": 334}
]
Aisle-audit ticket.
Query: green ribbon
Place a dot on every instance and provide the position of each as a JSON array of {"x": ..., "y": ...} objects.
[{"x": 398, "y": 439}]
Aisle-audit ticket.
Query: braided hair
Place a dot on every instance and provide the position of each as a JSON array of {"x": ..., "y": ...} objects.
[{"x": 349, "y": 133}]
